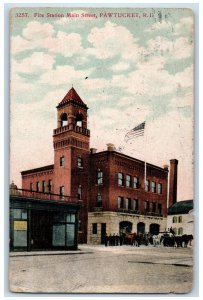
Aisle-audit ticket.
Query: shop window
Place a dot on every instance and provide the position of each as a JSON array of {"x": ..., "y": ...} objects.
[
  {"x": 120, "y": 202},
  {"x": 128, "y": 180},
  {"x": 153, "y": 187},
  {"x": 99, "y": 177},
  {"x": 94, "y": 228},
  {"x": 159, "y": 188},
  {"x": 120, "y": 179},
  {"x": 62, "y": 161},
  {"x": 135, "y": 182},
  {"x": 147, "y": 186}
]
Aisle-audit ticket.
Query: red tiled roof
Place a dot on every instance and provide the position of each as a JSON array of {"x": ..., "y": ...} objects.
[{"x": 71, "y": 96}]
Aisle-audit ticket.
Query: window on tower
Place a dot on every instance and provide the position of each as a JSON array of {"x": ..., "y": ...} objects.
[
  {"x": 62, "y": 161},
  {"x": 64, "y": 120},
  {"x": 79, "y": 119}
]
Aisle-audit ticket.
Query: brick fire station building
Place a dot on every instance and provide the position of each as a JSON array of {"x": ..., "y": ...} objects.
[{"x": 109, "y": 184}]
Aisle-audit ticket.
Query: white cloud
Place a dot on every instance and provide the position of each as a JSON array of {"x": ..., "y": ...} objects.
[
  {"x": 178, "y": 49},
  {"x": 185, "y": 25},
  {"x": 37, "y": 35},
  {"x": 163, "y": 25},
  {"x": 38, "y": 31},
  {"x": 107, "y": 41},
  {"x": 120, "y": 66},
  {"x": 64, "y": 75},
  {"x": 36, "y": 63},
  {"x": 65, "y": 44}
]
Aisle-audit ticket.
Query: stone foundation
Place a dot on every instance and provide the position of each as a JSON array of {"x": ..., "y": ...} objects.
[{"x": 112, "y": 221}]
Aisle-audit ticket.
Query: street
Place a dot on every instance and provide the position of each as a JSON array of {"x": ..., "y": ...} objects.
[{"x": 100, "y": 269}]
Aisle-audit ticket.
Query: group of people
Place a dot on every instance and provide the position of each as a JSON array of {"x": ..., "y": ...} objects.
[{"x": 113, "y": 240}]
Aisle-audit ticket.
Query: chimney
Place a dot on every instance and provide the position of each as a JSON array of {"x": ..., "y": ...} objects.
[
  {"x": 173, "y": 182},
  {"x": 93, "y": 150},
  {"x": 110, "y": 147}
]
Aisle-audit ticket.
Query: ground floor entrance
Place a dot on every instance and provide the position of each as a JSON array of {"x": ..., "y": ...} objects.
[{"x": 42, "y": 225}]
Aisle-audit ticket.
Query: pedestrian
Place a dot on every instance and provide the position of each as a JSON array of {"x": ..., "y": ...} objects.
[
  {"x": 110, "y": 240},
  {"x": 116, "y": 239},
  {"x": 113, "y": 239},
  {"x": 121, "y": 239},
  {"x": 106, "y": 239}
]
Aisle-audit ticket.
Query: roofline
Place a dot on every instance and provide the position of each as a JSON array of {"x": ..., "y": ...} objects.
[
  {"x": 129, "y": 157},
  {"x": 40, "y": 169}
]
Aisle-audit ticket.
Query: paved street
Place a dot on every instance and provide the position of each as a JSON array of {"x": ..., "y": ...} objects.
[{"x": 100, "y": 269}]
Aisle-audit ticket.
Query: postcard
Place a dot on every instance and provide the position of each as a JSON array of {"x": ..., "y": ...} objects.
[{"x": 101, "y": 150}]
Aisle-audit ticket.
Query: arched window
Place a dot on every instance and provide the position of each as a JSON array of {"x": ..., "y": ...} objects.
[
  {"x": 64, "y": 119},
  {"x": 180, "y": 219},
  {"x": 174, "y": 219},
  {"x": 79, "y": 119},
  {"x": 180, "y": 231}
]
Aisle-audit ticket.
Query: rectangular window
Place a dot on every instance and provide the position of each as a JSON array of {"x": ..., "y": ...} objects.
[
  {"x": 153, "y": 207},
  {"x": 61, "y": 191},
  {"x": 147, "y": 186},
  {"x": 128, "y": 180},
  {"x": 62, "y": 161},
  {"x": 37, "y": 186},
  {"x": 120, "y": 202},
  {"x": 94, "y": 228},
  {"x": 50, "y": 186},
  {"x": 159, "y": 188},
  {"x": 135, "y": 182},
  {"x": 31, "y": 186},
  {"x": 128, "y": 203},
  {"x": 99, "y": 200},
  {"x": 80, "y": 162},
  {"x": 80, "y": 192},
  {"x": 147, "y": 206},
  {"x": 135, "y": 204},
  {"x": 180, "y": 231},
  {"x": 174, "y": 219},
  {"x": 120, "y": 179},
  {"x": 44, "y": 186},
  {"x": 99, "y": 177},
  {"x": 160, "y": 209},
  {"x": 180, "y": 219},
  {"x": 153, "y": 187}
]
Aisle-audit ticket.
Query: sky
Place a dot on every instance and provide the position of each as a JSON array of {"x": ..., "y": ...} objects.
[{"x": 139, "y": 68}]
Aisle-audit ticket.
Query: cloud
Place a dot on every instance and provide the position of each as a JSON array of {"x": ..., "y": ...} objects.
[
  {"x": 184, "y": 26},
  {"x": 64, "y": 75},
  {"x": 34, "y": 64},
  {"x": 107, "y": 42},
  {"x": 158, "y": 26},
  {"x": 179, "y": 48},
  {"x": 120, "y": 66},
  {"x": 43, "y": 36}
]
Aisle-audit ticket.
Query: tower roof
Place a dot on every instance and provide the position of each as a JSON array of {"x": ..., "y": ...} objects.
[{"x": 72, "y": 97}]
